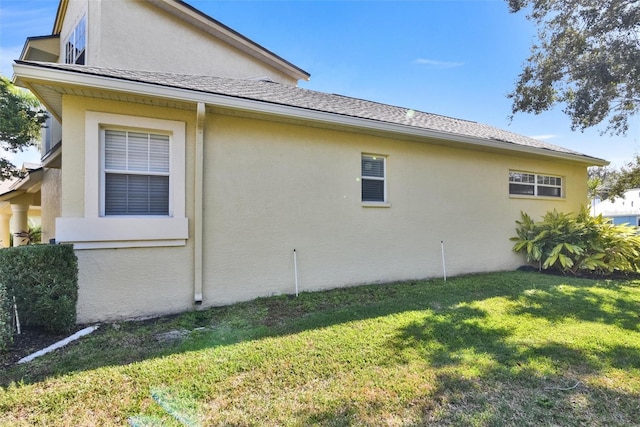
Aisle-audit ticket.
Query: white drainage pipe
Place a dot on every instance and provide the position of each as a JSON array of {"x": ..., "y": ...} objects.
[
  {"x": 61, "y": 343},
  {"x": 295, "y": 269},
  {"x": 444, "y": 266}
]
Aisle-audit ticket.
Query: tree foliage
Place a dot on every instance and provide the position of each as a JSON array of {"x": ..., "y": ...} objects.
[
  {"x": 600, "y": 181},
  {"x": 587, "y": 58},
  {"x": 21, "y": 119},
  {"x": 626, "y": 179}
]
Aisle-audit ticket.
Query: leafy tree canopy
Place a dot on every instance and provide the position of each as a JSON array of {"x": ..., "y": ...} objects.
[
  {"x": 21, "y": 119},
  {"x": 587, "y": 58},
  {"x": 600, "y": 182},
  {"x": 626, "y": 179}
]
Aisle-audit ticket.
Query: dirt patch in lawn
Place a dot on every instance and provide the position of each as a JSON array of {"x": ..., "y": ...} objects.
[{"x": 29, "y": 341}]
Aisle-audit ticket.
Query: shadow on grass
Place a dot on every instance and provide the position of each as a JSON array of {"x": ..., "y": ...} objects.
[
  {"x": 445, "y": 338},
  {"x": 525, "y": 401},
  {"x": 611, "y": 304},
  {"x": 452, "y": 325}
]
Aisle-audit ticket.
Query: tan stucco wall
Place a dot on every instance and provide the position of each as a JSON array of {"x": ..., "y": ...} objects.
[
  {"x": 138, "y": 35},
  {"x": 72, "y": 176},
  {"x": 274, "y": 187},
  {"x": 117, "y": 283},
  {"x": 124, "y": 283},
  {"x": 50, "y": 202},
  {"x": 271, "y": 187}
]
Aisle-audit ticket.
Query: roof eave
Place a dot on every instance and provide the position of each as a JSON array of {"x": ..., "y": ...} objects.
[
  {"x": 31, "y": 41},
  {"x": 28, "y": 73},
  {"x": 62, "y": 10}
]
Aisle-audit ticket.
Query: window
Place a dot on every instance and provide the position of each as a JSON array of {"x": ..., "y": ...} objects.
[
  {"x": 373, "y": 179},
  {"x": 530, "y": 184},
  {"x": 136, "y": 173},
  {"x": 75, "y": 47},
  {"x": 134, "y": 184}
]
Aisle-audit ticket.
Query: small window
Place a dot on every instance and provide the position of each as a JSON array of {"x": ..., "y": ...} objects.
[
  {"x": 76, "y": 44},
  {"x": 373, "y": 179},
  {"x": 136, "y": 173},
  {"x": 530, "y": 184}
]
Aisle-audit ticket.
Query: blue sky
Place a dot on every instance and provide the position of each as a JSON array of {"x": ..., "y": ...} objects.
[{"x": 452, "y": 57}]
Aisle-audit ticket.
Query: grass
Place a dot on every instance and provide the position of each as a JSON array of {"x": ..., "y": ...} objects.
[{"x": 497, "y": 349}]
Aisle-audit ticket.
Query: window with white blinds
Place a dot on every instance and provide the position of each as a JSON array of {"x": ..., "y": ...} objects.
[
  {"x": 373, "y": 179},
  {"x": 136, "y": 173}
]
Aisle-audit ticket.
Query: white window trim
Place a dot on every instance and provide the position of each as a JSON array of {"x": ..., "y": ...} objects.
[
  {"x": 369, "y": 204},
  {"x": 97, "y": 231},
  {"x": 535, "y": 186}
]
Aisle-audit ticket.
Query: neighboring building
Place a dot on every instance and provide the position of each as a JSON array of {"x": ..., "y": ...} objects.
[
  {"x": 189, "y": 168},
  {"x": 621, "y": 210},
  {"x": 20, "y": 206}
]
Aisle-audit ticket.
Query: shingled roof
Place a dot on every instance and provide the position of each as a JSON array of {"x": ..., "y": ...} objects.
[{"x": 291, "y": 96}]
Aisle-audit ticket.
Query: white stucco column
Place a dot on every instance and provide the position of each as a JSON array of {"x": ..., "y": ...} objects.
[
  {"x": 19, "y": 223},
  {"x": 5, "y": 230}
]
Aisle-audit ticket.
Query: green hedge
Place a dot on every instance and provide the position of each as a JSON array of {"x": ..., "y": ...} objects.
[
  {"x": 6, "y": 332},
  {"x": 44, "y": 281}
]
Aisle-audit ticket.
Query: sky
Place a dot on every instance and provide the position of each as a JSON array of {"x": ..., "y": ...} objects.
[{"x": 457, "y": 58}]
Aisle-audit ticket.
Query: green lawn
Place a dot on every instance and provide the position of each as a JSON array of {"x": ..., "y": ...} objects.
[{"x": 486, "y": 350}]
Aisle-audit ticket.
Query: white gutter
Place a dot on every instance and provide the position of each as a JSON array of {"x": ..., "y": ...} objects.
[
  {"x": 48, "y": 75},
  {"x": 198, "y": 204}
]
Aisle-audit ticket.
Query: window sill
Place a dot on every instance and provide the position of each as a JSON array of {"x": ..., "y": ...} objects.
[
  {"x": 376, "y": 205},
  {"x": 122, "y": 232},
  {"x": 524, "y": 196}
]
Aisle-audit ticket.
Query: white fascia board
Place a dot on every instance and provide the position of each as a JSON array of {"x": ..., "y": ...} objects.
[{"x": 193, "y": 96}]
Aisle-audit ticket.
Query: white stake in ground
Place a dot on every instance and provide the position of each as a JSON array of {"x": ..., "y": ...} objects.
[
  {"x": 15, "y": 311},
  {"x": 295, "y": 269},
  {"x": 444, "y": 267}
]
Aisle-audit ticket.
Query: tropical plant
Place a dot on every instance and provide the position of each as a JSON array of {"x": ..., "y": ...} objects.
[
  {"x": 574, "y": 243},
  {"x": 31, "y": 236}
]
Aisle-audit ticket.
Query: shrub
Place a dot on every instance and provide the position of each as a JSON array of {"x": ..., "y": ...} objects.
[
  {"x": 44, "y": 281},
  {"x": 6, "y": 330},
  {"x": 571, "y": 244}
]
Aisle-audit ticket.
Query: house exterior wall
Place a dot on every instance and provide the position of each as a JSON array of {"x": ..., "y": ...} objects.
[
  {"x": 629, "y": 220},
  {"x": 118, "y": 283},
  {"x": 50, "y": 203},
  {"x": 116, "y": 39},
  {"x": 272, "y": 187},
  {"x": 621, "y": 210}
]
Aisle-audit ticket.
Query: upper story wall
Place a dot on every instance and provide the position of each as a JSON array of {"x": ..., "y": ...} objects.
[{"x": 141, "y": 35}]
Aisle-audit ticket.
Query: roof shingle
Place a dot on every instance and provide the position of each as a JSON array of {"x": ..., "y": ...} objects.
[{"x": 288, "y": 95}]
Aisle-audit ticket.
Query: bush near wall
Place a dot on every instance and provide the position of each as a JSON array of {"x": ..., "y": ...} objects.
[
  {"x": 44, "y": 281},
  {"x": 577, "y": 243},
  {"x": 6, "y": 330}
]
